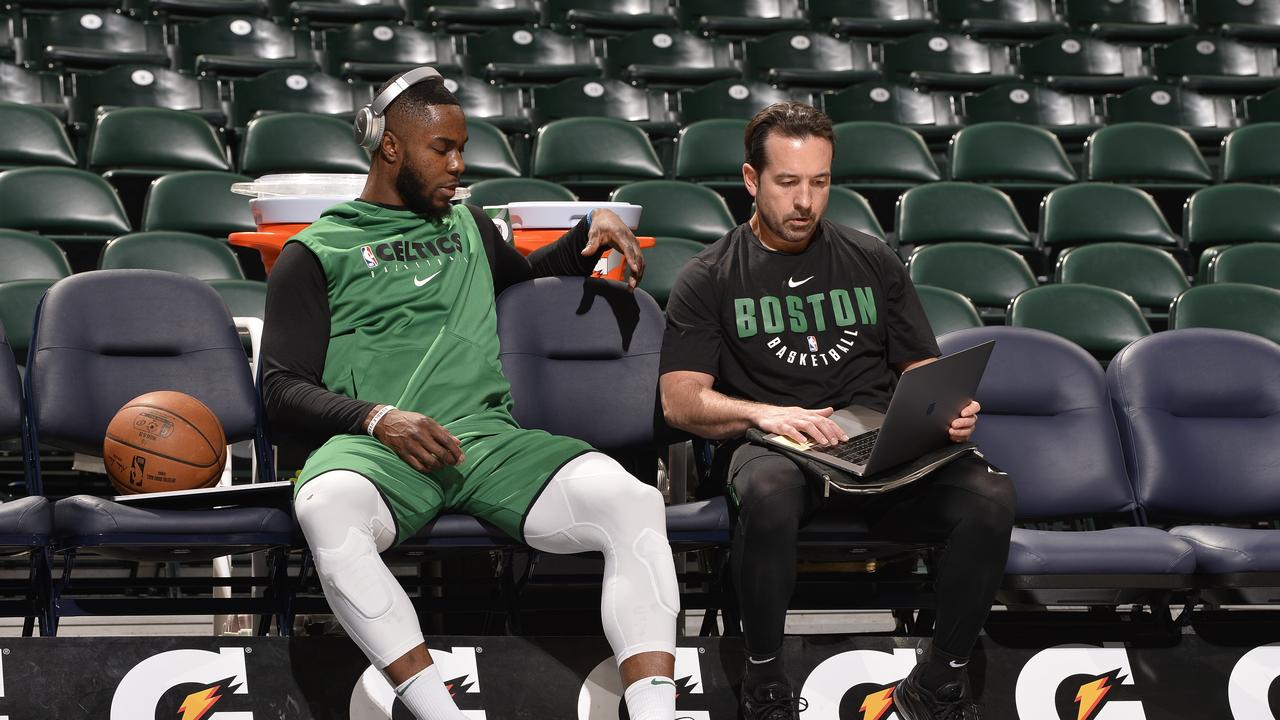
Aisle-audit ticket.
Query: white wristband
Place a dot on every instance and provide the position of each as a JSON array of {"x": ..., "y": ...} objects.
[{"x": 378, "y": 416}]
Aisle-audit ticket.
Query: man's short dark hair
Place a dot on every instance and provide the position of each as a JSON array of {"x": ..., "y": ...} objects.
[
  {"x": 790, "y": 119},
  {"x": 415, "y": 102}
]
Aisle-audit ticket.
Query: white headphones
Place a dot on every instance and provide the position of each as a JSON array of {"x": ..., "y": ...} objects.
[{"x": 371, "y": 119}]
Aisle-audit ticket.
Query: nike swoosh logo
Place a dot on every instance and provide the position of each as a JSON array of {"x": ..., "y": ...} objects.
[
  {"x": 657, "y": 681},
  {"x": 420, "y": 283},
  {"x": 955, "y": 664},
  {"x": 794, "y": 284},
  {"x": 754, "y": 661},
  {"x": 405, "y": 689}
]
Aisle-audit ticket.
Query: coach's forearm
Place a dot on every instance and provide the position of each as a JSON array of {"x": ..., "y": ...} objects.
[{"x": 707, "y": 413}]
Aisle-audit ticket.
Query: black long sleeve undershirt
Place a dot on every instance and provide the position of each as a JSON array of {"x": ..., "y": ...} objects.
[{"x": 297, "y": 323}]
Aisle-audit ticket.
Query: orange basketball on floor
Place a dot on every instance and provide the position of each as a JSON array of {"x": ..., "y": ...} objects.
[{"x": 164, "y": 441}]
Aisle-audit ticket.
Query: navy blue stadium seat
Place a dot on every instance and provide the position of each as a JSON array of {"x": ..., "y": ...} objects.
[
  {"x": 1046, "y": 420},
  {"x": 1199, "y": 414}
]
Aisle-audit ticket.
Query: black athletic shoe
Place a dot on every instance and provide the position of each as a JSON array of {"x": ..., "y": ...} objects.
[
  {"x": 774, "y": 701},
  {"x": 950, "y": 702}
]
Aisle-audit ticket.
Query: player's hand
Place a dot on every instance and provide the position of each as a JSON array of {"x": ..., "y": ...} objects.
[
  {"x": 962, "y": 427},
  {"x": 608, "y": 231},
  {"x": 801, "y": 425},
  {"x": 420, "y": 441}
]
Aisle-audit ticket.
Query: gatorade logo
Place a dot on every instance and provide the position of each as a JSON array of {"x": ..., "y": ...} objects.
[
  {"x": 857, "y": 685},
  {"x": 1253, "y": 691},
  {"x": 1078, "y": 683}
]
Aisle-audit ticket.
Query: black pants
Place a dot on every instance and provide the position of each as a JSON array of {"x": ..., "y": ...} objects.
[{"x": 966, "y": 506}]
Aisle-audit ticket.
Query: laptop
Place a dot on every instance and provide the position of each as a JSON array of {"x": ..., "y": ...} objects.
[
  {"x": 278, "y": 494},
  {"x": 928, "y": 398}
]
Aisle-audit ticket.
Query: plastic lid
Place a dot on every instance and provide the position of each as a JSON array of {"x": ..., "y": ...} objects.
[{"x": 302, "y": 185}]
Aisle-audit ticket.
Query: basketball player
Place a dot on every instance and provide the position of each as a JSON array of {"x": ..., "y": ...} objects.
[
  {"x": 381, "y": 347},
  {"x": 785, "y": 318}
]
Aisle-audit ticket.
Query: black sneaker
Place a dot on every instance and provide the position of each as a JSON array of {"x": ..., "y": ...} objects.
[
  {"x": 950, "y": 702},
  {"x": 774, "y": 701}
]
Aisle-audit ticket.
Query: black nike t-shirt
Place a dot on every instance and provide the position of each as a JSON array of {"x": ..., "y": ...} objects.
[{"x": 821, "y": 328}]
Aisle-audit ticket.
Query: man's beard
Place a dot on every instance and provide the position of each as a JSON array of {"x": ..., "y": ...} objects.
[
  {"x": 412, "y": 189},
  {"x": 778, "y": 226}
]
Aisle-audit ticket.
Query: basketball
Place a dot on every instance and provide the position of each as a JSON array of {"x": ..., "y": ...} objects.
[{"x": 164, "y": 441}]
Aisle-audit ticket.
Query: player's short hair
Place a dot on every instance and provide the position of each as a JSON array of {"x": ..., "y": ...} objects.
[
  {"x": 790, "y": 119},
  {"x": 415, "y": 102}
]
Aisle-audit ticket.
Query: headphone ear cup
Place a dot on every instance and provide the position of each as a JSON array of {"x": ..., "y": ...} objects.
[{"x": 368, "y": 129}]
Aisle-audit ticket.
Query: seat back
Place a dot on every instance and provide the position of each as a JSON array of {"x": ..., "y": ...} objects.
[
  {"x": 594, "y": 149},
  {"x": 242, "y": 35},
  {"x": 375, "y": 50},
  {"x": 185, "y": 253},
  {"x": 678, "y": 209},
  {"x": 1247, "y": 308},
  {"x": 1087, "y": 213},
  {"x": 1029, "y": 103},
  {"x": 955, "y": 211},
  {"x": 1140, "y": 152},
  {"x": 293, "y": 91},
  {"x": 489, "y": 153},
  {"x": 290, "y": 142},
  {"x": 1210, "y": 12},
  {"x": 1087, "y": 12},
  {"x": 947, "y": 310},
  {"x": 1100, "y": 320},
  {"x": 100, "y": 330},
  {"x": 956, "y": 11},
  {"x": 586, "y": 97},
  {"x": 10, "y": 392},
  {"x": 140, "y": 86},
  {"x": 88, "y": 29},
  {"x": 729, "y": 99},
  {"x": 663, "y": 262},
  {"x": 1170, "y": 105},
  {"x": 157, "y": 138},
  {"x": 667, "y": 48},
  {"x": 19, "y": 85},
  {"x": 878, "y": 151},
  {"x": 60, "y": 201},
  {"x": 27, "y": 256},
  {"x": 691, "y": 10},
  {"x": 243, "y": 298},
  {"x": 710, "y": 150},
  {"x": 503, "y": 191},
  {"x": 1232, "y": 215},
  {"x": 32, "y": 136},
  {"x": 1046, "y": 420},
  {"x": 848, "y": 208},
  {"x": 198, "y": 201},
  {"x": 1081, "y": 56},
  {"x": 573, "y": 344},
  {"x": 1211, "y": 55},
  {"x": 1248, "y": 154},
  {"x": 1199, "y": 411},
  {"x": 1009, "y": 152},
  {"x": 941, "y": 52},
  {"x": 805, "y": 50},
  {"x": 18, "y": 302},
  {"x": 988, "y": 275},
  {"x": 1148, "y": 275},
  {"x": 1255, "y": 264},
  {"x": 492, "y": 103},
  {"x": 890, "y": 103},
  {"x": 521, "y": 46}
]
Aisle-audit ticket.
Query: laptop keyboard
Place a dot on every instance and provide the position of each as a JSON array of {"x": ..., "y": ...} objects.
[{"x": 856, "y": 449}]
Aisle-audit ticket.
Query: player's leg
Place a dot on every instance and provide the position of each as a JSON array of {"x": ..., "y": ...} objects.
[
  {"x": 347, "y": 524},
  {"x": 593, "y": 504}
]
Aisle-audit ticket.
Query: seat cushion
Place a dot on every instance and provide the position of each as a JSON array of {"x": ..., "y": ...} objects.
[
  {"x": 699, "y": 521},
  {"x": 1130, "y": 550},
  {"x": 460, "y": 531},
  {"x": 1231, "y": 550},
  {"x": 28, "y": 516},
  {"x": 86, "y": 516}
]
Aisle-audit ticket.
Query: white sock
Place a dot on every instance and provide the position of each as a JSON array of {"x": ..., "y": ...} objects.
[
  {"x": 428, "y": 698},
  {"x": 653, "y": 698}
]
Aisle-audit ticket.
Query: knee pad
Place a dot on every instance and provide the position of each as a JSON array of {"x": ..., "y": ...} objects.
[
  {"x": 357, "y": 574},
  {"x": 332, "y": 502}
]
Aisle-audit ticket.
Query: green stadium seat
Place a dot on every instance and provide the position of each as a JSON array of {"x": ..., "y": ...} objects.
[
  {"x": 1071, "y": 117},
  {"x": 1230, "y": 306},
  {"x": 325, "y": 13},
  {"x": 32, "y": 136},
  {"x": 945, "y": 212},
  {"x": 497, "y": 105},
  {"x": 675, "y": 58},
  {"x": 1207, "y": 118},
  {"x": 1145, "y": 154},
  {"x": 198, "y": 201},
  {"x": 881, "y": 154},
  {"x": 185, "y": 253},
  {"x": 808, "y": 60},
  {"x": 731, "y": 99},
  {"x": 27, "y": 256},
  {"x": 929, "y": 114},
  {"x": 1075, "y": 62},
  {"x": 240, "y": 46},
  {"x": 66, "y": 202},
  {"x": 712, "y": 152},
  {"x": 594, "y": 152},
  {"x": 18, "y": 302},
  {"x": 472, "y": 16},
  {"x": 677, "y": 209},
  {"x": 1087, "y": 213},
  {"x": 610, "y": 17},
  {"x": 1100, "y": 320},
  {"x": 504, "y": 191},
  {"x": 529, "y": 56},
  {"x": 89, "y": 39},
  {"x": 142, "y": 86},
  {"x": 6, "y": 39},
  {"x": 587, "y": 97},
  {"x": 1210, "y": 63},
  {"x": 947, "y": 61},
  {"x": 989, "y": 276},
  {"x": 290, "y": 91},
  {"x": 300, "y": 142},
  {"x": 848, "y": 208},
  {"x": 871, "y": 18},
  {"x": 1010, "y": 154},
  {"x": 1148, "y": 275},
  {"x": 663, "y": 262},
  {"x": 244, "y": 298},
  {"x": 152, "y": 141},
  {"x": 375, "y": 51},
  {"x": 1249, "y": 154},
  {"x": 1255, "y": 264},
  {"x": 1001, "y": 19},
  {"x": 488, "y": 154},
  {"x": 740, "y": 18},
  {"x": 1253, "y": 21},
  {"x": 35, "y": 89},
  {"x": 1231, "y": 215},
  {"x": 947, "y": 310},
  {"x": 174, "y": 11},
  {"x": 1143, "y": 20}
]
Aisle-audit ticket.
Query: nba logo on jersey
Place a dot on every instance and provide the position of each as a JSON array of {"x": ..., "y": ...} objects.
[
  {"x": 369, "y": 259},
  {"x": 813, "y": 343}
]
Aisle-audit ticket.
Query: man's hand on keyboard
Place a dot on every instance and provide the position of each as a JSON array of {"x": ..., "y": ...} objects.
[
  {"x": 962, "y": 427},
  {"x": 800, "y": 424}
]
